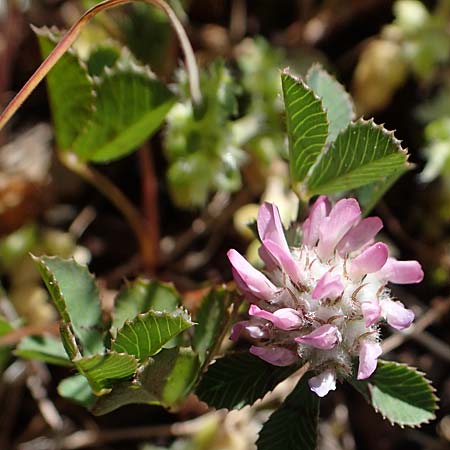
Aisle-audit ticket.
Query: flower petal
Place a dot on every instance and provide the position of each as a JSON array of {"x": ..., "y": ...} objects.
[
  {"x": 248, "y": 329},
  {"x": 284, "y": 318},
  {"x": 270, "y": 226},
  {"x": 317, "y": 213},
  {"x": 278, "y": 356},
  {"x": 369, "y": 352},
  {"x": 284, "y": 260},
  {"x": 344, "y": 215},
  {"x": 401, "y": 272},
  {"x": 360, "y": 235},
  {"x": 369, "y": 261},
  {"x": 371, "y": 312},
  {"x": 323, "y": 383},
  {"x": 250, "y": 280},
  {"x": 396, "y": 314},
  {"x": 329, "y": 286},
  {"x": 324, "y": 337}
]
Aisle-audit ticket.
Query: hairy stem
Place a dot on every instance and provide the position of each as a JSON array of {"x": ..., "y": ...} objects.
[
  {"x": 121, "y": 202},
  {"x": 73, "y": 33}
]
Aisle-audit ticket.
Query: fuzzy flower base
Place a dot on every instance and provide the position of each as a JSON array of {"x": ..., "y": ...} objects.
[{"x": 321, "y": 302}]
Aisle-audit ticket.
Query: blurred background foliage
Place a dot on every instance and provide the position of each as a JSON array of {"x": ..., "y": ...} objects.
[{"x": 197, "y": 183}]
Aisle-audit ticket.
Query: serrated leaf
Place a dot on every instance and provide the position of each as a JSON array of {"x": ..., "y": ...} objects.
[
  {"x": 101, "y": 58},
  {"x": 363, "y": 153},
  {"x": 76, "y": 388},
  {"x": 238, "y": 380},
  {"x": 165, "y": 379},
  {"x": 43, "y": 348},
  {"x": 146, "y": 334},
  {"x": 211, "y": 318},
  {"x": 335, "y": 100},
  {"x": 170, "y": 375},
  {"x": 307, "y": 125},
  {"x": 104, "y": 371},
  {"x": 141, "y": 296},
  {"x": 70, "y": 92},
  {"x": 75, "y": 295},
  {"x": 293, "y": 426},
  {"x": 131, "y": 105},
  {"x": 400, "y": 394}
]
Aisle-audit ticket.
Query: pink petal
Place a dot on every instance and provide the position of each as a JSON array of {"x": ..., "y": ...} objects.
[
  {"x": 284, "y": 260},
  {"x": 284, "y": 318},
  {"x": 371, "y": 312},
  {"x": 323, "y": 383},
  {"x": 250, "y": 280},
  {"x": 270, "y": 226},
  {"x": 397, "y": 315},
  {"x": 369, "y": 352},
  {"x": 278, "y": 356},
  {"x": 360, "y": 235},
  {"x": 329, "y": 286},
  {"x": 370, "y": 260},
  {"x": 344, "y": 215},
  {"x": 401, "y": 272},
  {"x": 325, "y": 337},
  {"x": 248, "y": 329},
  {"x": 317, "y": 213}
]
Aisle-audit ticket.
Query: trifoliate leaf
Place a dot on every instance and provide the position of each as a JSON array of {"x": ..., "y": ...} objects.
[
  {"x": 293, "y": 426},
  {"x": 75, "y": 295},
  {"x": 146, "y": 334},
  {"x": 238, "y": 380},
  {"x": 361, "y": 154},
  {"x": 307, "y": 125},
  {"x": 70, "y": 91},
  {"x": 335, "y": 100},
  {"x": 400, "y": 394}
]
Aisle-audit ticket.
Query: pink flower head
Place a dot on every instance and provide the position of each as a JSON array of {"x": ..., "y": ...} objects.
[
  {"x": 323, "y": 383},
  {"x": 283, "y": 318},
  {"x": 322, "y": 300},
  {"x": 329, "y": 286},
  {"x": 324, "y": 337},
  {"x": 278, "y": 356},
  {"x": 368, "y": 354}
]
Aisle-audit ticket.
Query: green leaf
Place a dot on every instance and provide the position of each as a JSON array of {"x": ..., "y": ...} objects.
[
  {"x": 76, "y": 388},
  {"x": 43, "y": 348},
  {"x": 400, "y": 394},
  {"x": 100, "y": 58},
  {"x": 146, "y": 334},
  {"x": 5, "y": 351},
  {"x": 294, "y": 425},
  {"x": 211, "y": 319},
  {"x": 73, "y": 290},
  {"x": 131, "y": 105},
  {"x": 104, "y": 371},
  {"x": 70, "y": 91},
  {"x": 363, "y": 153},
  {"x": 171, "y": 375},
  {"x": 307, "y": 125},
  {"x": 238, "y": 380},
  {"x": 165, "y": 379},
  {"x": 335, "y": 100},
  {"x": 141, "y": 296},
  {"x": 369, "y": 195}
]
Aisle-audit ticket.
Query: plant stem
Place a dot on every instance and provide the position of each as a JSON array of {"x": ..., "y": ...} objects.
[
  {"x": 73, "y": 33},
  {"x": 121, "y": 202}
]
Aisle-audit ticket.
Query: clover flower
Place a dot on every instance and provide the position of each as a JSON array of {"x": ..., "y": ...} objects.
[{"x": 322, "y": 301}]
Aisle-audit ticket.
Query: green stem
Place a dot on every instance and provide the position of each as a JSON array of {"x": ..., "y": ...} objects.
[{"x": 70, "y": 37}]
